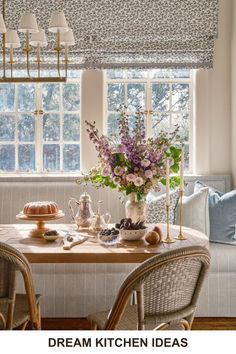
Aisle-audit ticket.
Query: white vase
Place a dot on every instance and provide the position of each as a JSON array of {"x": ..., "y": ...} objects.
[{"x": 135, "y": 209}]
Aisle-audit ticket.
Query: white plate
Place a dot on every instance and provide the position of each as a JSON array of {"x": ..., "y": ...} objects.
[{"x": 41, "y": 215}]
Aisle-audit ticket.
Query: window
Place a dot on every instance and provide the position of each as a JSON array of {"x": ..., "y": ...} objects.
[
  {"x": 40, "y": 126},
  {"x": 40, "y": 123},
  {"x": 164, "y": 95}
]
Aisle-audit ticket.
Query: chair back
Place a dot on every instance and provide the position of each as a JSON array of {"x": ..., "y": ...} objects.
[
  {"x": 167, "y": 288},
  {"x": 12, "y": 261}
]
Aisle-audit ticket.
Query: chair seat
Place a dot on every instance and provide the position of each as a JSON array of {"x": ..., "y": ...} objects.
[
  {"x": 21, "y": 310},
  {"x": 129, "y": 320}
]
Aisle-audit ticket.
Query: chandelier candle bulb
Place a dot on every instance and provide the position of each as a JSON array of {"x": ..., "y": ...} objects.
[
  {"x": 167, "y": 184},
  {"x": 38, "y": 53},
  {"x": 11, "y": 53},
  {"x": 12, "y": 41},
  {"x": 67, "y": 39},
  {"x": 58, "y": 49},
  {"x": 182, "y": 170},
  {"x": 66, "y": 52},
  {"x": 38, "y": 59}
]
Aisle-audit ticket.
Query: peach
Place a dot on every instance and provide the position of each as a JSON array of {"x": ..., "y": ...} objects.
[
  {"x": 152, "y": 238},
  {"x": 158, "y": 230}
]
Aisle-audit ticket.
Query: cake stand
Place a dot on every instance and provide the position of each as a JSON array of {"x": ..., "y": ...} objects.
[{"x": 40, "y": 222}]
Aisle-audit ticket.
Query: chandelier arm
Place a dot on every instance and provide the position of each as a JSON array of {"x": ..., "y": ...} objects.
[
  {"x": 11, "y": 60},
  {"x": 27, "y": 52},
  {"x": 66, "y": 59}
]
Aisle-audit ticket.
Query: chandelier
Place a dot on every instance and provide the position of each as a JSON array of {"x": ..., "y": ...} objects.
[{"x": 35, "y": 37}]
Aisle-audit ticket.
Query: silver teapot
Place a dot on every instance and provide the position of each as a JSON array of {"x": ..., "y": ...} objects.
[
  {"x": 84, "y": 215},
  {"x": 100, "y": 222}
]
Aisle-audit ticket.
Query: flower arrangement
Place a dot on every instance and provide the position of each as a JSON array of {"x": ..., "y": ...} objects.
[{"x": 130, "y": 162}]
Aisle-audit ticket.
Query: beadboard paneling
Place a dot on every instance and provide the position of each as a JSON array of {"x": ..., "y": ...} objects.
[{"x": 75, "y": 290}]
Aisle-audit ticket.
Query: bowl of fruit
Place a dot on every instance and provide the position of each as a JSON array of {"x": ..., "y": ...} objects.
[
  {"x": 131, "y": 231},
  {"x": 108, "y": 237}
]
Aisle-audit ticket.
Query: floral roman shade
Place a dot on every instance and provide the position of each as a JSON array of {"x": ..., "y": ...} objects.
[{"x": 130, "y": 33}]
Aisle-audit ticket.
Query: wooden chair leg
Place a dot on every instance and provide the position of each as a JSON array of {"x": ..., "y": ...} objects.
[
  {"x": 39, "y": 317},
  {"x": 23, "y": 326},
  {"x": 93, "y": 326},
  {"x": 186, "y": 325},
  {"x": 2, "y": 319},
  {"x": 160, "y": 328},
  {"x": 184, "y": 322}
]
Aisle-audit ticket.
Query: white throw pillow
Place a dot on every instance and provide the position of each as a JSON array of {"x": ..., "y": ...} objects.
[{"x": 196, "y": 211}]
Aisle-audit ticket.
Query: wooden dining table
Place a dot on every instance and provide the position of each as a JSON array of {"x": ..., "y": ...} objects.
[{"x": 38, "y": 250}]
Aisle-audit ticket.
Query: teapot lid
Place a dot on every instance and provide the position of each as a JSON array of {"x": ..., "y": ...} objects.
[{"x": 85, "y": 197}]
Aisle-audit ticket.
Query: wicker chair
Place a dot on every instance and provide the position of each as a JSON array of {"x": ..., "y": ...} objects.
[
  {"x": 16, "y": 310},
  {"x": 167, "y": 288}
]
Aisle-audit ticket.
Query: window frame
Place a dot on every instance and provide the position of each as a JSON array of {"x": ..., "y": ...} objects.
[
  {"x": 148, "y": 81},
  {"x": 38, "y": 142}
]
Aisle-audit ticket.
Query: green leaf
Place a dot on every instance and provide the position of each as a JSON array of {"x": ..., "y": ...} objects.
[
  {"x": 163, "y": 181},
  {"x": 175, "y": 152},
  {"x": 175, "y": 168},
  {"x": 129, "y": 189}
]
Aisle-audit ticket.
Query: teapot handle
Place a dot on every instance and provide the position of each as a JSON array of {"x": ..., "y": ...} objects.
[
  {"x": 108, "y": 216},
  {"x": 72, "y": 200}
]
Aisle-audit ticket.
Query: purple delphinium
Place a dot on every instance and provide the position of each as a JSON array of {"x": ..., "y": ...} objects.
[{"x": 134, "y": 163}]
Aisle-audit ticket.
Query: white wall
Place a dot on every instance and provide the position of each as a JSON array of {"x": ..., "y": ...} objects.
[
  {"x": 233, "y": 82},
  {"x": 91, "y": 110},
  {"x": 213, "y": 104}
]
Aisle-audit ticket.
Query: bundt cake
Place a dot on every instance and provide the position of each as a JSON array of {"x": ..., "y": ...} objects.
[{"x": 40, "y": 208}]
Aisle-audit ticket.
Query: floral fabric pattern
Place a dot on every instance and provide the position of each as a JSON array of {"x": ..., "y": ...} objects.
[
  {"x": 127, "y": 33},
  {"x": 156, "y": 208}
]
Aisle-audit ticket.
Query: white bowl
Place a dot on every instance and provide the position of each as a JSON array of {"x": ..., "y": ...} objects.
[
  {"x": 50, "y": 238},
  {"x": 132, "y": 235}
]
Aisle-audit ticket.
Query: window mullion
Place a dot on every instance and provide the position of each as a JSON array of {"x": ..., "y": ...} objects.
[
  {"x": 149, "y": 107},
  {"x": 38, "y": 126},
  {"x": 16, "y": 128},
  {"x": 126, "y": 93}
]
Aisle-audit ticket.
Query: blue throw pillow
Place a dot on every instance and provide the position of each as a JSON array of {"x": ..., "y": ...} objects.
[{"x": 222, "y": 212}]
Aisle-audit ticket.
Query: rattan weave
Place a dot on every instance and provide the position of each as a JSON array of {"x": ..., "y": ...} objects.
[
  {"x": 167, "y": 288},
  {"x": 16, "y": 309}
]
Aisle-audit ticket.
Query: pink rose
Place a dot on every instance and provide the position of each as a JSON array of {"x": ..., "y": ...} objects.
[
  {"x": 148, "y": 173},
  {"x": 145, "y": 163},
  {"x": 105, "y": 172},
  {"x": 119, "y": 170},
  {"x": 138, "y": 181},
  {"x": 116, "y": 180}
]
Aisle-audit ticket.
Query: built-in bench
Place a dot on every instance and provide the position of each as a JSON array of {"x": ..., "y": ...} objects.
[{"x": 74, "y": 290}]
